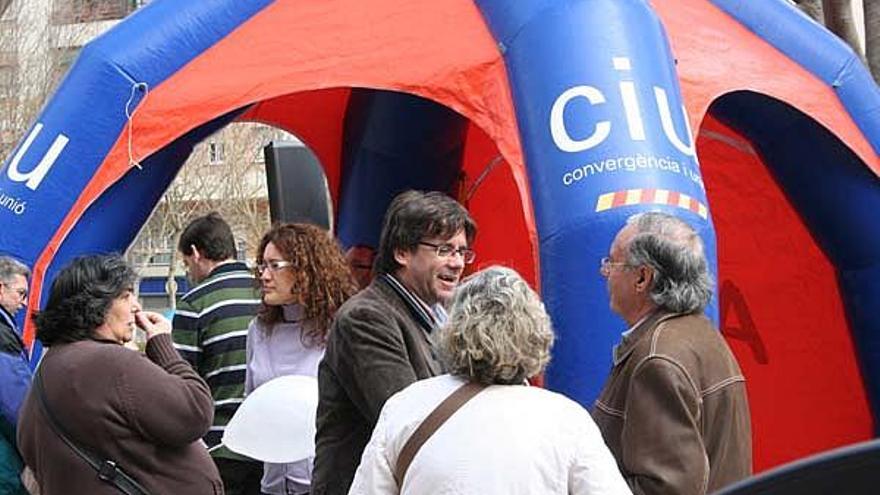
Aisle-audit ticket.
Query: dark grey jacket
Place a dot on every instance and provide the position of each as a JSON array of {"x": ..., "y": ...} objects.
[
  {"x": 674, "y": 411},
  {"x": 378, "y": 345}
]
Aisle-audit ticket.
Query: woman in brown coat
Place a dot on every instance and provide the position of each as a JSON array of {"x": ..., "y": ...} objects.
[{"x": 145, "y": 413}]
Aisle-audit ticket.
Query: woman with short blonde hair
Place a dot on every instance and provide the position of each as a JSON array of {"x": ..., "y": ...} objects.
[{"x": 498, "y": 331}]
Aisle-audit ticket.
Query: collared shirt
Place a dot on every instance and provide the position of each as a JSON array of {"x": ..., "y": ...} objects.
[
  {"x": 435, "y": 314},
  {"x": 440, "y": 315},
  {"x": 624, "y": 337}
]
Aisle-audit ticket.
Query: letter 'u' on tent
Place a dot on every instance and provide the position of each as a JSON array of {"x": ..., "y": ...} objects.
[{"x": 552, "y": 121}]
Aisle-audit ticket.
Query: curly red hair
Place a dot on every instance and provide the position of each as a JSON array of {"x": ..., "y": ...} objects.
[{"x": 322, "y": 280}]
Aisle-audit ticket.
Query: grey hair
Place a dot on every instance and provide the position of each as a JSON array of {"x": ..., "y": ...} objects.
[
  {"x": 498, "y": 330},
  {"x": 10, "y": 267},
  {"x": 674, "y": 250}
]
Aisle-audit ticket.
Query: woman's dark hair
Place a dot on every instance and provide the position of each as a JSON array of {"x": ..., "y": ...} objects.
[
  {"x": 80, "y": 297},
  {"x": 322, "y": 280}
]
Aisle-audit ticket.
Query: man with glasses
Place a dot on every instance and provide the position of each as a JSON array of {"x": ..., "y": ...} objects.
[
  {"x": 383, "y": 338},
  {"x": 15, "y": 375},
  {"x": 674, "y": 411},
  {"x": 210, "y": 331}
]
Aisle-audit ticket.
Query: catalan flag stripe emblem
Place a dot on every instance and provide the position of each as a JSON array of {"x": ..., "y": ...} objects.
[{"x": 629, "y": 197}]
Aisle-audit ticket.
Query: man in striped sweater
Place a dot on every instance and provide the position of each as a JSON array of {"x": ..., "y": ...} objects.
[{"x": 210, "y": 331}]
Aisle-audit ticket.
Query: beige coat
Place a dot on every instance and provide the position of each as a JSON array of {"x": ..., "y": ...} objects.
[{"x": 674, "y": 411}]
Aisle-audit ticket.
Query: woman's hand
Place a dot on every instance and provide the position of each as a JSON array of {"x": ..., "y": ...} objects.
[{"x": 152, "y": 323}]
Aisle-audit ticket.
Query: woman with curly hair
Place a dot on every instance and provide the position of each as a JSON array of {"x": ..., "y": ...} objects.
[
  {"x": 304, "y": 279},
  {"x": 508, "y": 438}
]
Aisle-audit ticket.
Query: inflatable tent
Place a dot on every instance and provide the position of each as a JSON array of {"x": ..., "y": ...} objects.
[{"x": 552, "y": 120}]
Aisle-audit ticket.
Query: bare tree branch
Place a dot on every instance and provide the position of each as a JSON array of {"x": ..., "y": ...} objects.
[
  {"x": 31, "y": 61},
  {"x": 812, "y": 8},
  {"x": 872, "y": 36},
  {"x": 231, "y": 181},
  {"x": 840, "y": 20}
]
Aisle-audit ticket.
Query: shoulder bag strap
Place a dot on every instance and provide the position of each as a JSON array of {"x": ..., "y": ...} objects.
[
  {"x": 430, "y": 424},
  {"x": 107, "y": 470}
]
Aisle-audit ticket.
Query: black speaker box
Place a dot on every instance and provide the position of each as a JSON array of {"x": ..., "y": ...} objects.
[{"x": 297, "y": 185}]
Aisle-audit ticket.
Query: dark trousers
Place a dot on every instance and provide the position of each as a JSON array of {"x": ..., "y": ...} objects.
[{"x": 240, "y": 477}]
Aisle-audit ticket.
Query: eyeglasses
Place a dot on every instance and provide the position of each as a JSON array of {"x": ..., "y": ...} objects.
[
  {"x": 605, "y": 265},
  {"x": 22, "y": 293},
  {"x": 447, "y": 250},
  {"x": 273, "y": 266}
]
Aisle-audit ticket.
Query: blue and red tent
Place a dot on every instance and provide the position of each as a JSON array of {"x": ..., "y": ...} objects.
[{"x": 552, "y": 120}]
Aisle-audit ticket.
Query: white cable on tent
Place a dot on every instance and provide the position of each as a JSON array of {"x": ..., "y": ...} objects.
[{"x": 130, "y": 116}]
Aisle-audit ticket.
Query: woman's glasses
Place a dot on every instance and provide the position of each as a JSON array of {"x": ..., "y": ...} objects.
[{"x": 273, "y": 266}]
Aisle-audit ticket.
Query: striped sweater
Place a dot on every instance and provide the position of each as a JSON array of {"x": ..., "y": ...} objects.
[{"x": 210, "y": 332}]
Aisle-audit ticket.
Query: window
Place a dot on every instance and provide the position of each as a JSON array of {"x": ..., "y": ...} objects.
[
  {"x": 160, "y": 258},
  {"x": 216, "y": 153},
  {"x": 77, "y": 11}
]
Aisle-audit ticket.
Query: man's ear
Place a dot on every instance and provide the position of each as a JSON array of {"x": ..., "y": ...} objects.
[
  {"x": 402, "y": 256},
  {"x": 645, "y": 278},
  {"x": 196, "y": 256}
]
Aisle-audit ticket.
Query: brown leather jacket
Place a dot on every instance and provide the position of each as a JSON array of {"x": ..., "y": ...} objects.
[{"x": 674, "y": 411}]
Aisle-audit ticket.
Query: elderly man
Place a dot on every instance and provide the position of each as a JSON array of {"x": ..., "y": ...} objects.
[
  {"x": 15, "y": 375},
  {"x": 674, "y": 410},
  {"x": 383, "y": 338}
]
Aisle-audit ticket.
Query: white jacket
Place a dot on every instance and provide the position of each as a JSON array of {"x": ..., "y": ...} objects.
[{"x": 509, "y": 439}]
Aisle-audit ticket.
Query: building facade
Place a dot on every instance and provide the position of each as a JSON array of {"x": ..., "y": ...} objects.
[{"x": 39, "y": 41}]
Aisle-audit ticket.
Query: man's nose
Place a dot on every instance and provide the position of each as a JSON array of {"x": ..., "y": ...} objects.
[
  {"x": 135, "y": 306},
  {"x": 456, "y": 260}
]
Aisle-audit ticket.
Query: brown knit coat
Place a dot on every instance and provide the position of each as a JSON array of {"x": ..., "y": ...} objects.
[{"x": 146, "y": 413}]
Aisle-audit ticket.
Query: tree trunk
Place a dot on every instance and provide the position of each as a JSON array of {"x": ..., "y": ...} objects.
[
  {"x": 171, "y": 282},
  {"x": 812, "y": 8},
  {"x": 872, "y": 36},
  {"x": 839, "y": 19}
]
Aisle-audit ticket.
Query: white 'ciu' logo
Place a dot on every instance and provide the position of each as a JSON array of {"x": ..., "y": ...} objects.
[
  {"x": 33, "y": 178},
  {"x": 603, "y": 128}
]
